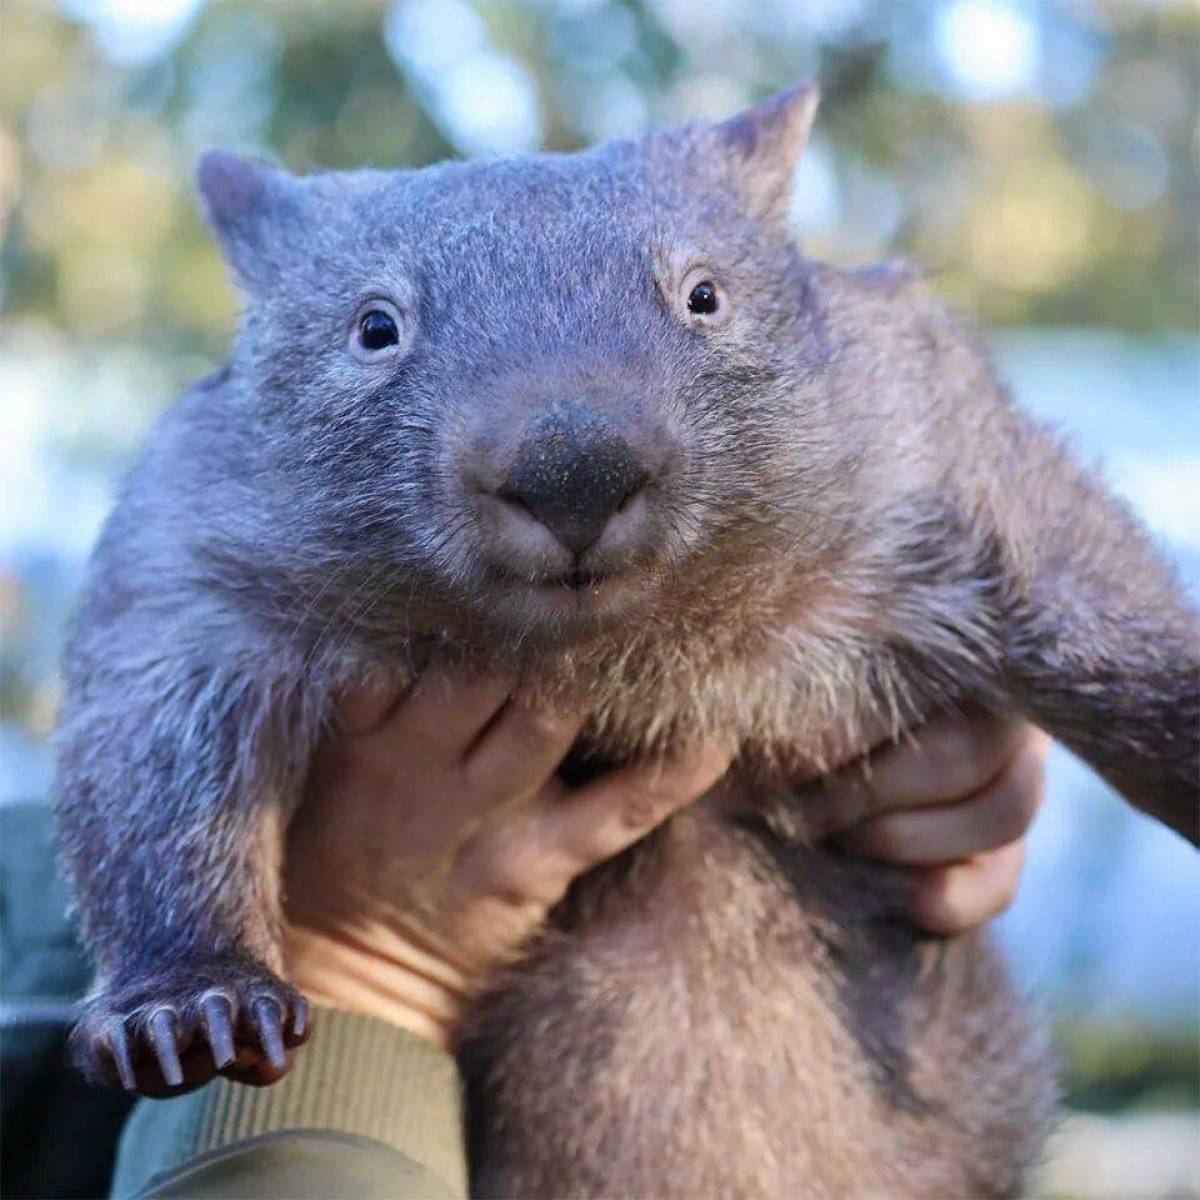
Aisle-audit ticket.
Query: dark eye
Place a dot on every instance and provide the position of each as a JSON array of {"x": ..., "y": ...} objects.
[
  {"x": 377, "y": 330},
  {"x": 702, "y": 299},
  {"x": 379, "y": 333}
]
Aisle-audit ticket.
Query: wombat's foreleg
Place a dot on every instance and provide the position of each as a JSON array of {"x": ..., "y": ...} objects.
[
  {"x": 1123, "y": 695},
  {"x": 172, "y": 830},
  {"x": 1101, "y": 646}
]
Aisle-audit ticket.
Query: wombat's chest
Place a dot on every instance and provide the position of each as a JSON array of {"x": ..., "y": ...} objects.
[
  {"x": 806, "y": 684},
  {"x": 802, "y": 676},
  {"x": 794, "y": 707}
]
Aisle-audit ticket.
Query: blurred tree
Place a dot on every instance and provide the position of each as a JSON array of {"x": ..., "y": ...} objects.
[{"x": 1046, "y": 175}]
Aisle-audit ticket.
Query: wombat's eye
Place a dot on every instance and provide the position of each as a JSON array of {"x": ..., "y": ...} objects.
[
  {"x": 377, "y": 332},
  {"x": 702, "y": 299}
]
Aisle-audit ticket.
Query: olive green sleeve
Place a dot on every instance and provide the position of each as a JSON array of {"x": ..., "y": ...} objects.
[{"x": 367, "y": 1111}]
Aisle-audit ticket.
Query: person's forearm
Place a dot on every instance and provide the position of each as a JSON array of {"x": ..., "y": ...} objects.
[{"x": 369, "y": 1110}]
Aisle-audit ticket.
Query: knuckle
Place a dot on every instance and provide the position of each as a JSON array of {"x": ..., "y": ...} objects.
[
  {"x": 689, "y": 781},
  {"x": 1028, "y": 790},
  {"x": 1002, "y": 901},
  {"x": 974, "y": 896},
  {"x": 643, "y": 809},
  {"x": 1028, "y": 768},
  {"x": 840, "y": 804},
  {"x": 935, "y": 903},
  {"x": 541, "y": 731},
  {"x": 877, "y": 839},
  {"x": 508, "y": 871},
  {"x": 1010, "y": 813},
  {"x": 949, "y": 754},
  {"x": 1036, "y": 745},
  {"x": 1025, "y": 782},
  {"x": 949, "y": 913},
  {"x": 506, "y": 880}
]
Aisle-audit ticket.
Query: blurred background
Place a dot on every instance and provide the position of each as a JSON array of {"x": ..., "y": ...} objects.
[{"x": 1040, "y": 158}]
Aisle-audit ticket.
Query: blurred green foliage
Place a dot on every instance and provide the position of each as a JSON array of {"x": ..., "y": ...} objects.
[
  {"x": 1069, "y": 200},
  {"x": 1114, "y": 1068}
]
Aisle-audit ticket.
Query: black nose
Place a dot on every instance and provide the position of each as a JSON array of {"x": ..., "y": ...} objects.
[{"x": 573, "y": 472}]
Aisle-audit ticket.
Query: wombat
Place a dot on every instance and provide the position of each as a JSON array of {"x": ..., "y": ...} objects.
[{"x": 594, "y": 420}]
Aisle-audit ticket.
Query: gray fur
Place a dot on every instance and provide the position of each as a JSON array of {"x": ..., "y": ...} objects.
[{"x": 856, "y": 524}]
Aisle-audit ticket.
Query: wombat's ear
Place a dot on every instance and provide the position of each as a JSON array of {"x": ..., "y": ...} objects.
[
  {"x": 763, "y": 146},
  {"x": 254, "y": 209}
]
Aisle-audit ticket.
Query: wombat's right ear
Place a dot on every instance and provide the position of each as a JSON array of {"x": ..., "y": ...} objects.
[
  {"x": 763, "y": 145},
  {"x": 253, "y": 208}
]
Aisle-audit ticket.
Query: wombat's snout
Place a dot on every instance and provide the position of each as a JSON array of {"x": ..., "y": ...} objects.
[{"x": 574, "y": 476}]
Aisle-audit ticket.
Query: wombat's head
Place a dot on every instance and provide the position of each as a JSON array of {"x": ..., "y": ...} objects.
[{"x": 544, "y": 390}]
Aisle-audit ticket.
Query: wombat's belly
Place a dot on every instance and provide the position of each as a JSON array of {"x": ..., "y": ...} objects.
[{"x": 727, "y": 1016}]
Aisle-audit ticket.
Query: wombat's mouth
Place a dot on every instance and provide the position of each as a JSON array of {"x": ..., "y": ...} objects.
[
  {"x": 579, "y": 580},
  {"x": 577, "y": 594}
]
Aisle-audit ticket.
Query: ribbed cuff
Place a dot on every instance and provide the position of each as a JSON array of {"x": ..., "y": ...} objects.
[{"x": 357, "y": 1076}]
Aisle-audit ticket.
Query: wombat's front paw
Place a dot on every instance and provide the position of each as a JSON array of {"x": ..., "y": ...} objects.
[{"x": 169, "y": 1031}]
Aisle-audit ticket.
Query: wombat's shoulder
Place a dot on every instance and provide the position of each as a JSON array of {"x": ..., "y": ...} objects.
[
  {"x": 892, "y": 314},
  {"x": 897, "y": 286},
  {"x": 892, "y": 276}
]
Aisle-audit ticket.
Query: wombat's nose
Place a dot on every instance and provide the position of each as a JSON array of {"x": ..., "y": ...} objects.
[{"x": 573, "y": 472}]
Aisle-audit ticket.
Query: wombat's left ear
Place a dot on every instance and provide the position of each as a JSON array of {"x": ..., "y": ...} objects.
[
  {"x": 763, "y": 146},
  {"x": 254, "y": 209}
]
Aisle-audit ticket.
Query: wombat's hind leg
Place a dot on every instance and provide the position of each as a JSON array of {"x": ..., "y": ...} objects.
[{"x": 175, "y": 1027}]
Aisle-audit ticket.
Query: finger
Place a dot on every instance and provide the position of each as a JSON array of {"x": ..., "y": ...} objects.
[
  {"x": 948, "y": 759},
  {"x": 961, "y": 897},
  {"x": 611, "y": 813},
  {"x": 532, "y": 860},
  {"x": 996, "y": 815},
  {"x": 844, "y": 745},
  {"x": 519, "y": 751},
  {"x": 526, "y": 864},
  {"x": 443, "y": 715}
]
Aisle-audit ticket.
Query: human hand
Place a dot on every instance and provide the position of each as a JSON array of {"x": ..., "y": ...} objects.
[
  {"x": 953, "y": 803},
  {"x": 436, "y": 836}
]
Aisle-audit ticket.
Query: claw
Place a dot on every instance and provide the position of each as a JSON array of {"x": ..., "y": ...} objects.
[
  {"x": 217, "y": 1014},
  {"x": 162, "y": 1033},
  {"x": 270, "y": 1030},
  {"x": 117, "y": 1040},
  {"x": 300, "y": 1017}
]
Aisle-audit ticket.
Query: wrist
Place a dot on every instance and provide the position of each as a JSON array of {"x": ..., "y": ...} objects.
[{"x": 377, "y": 973}]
